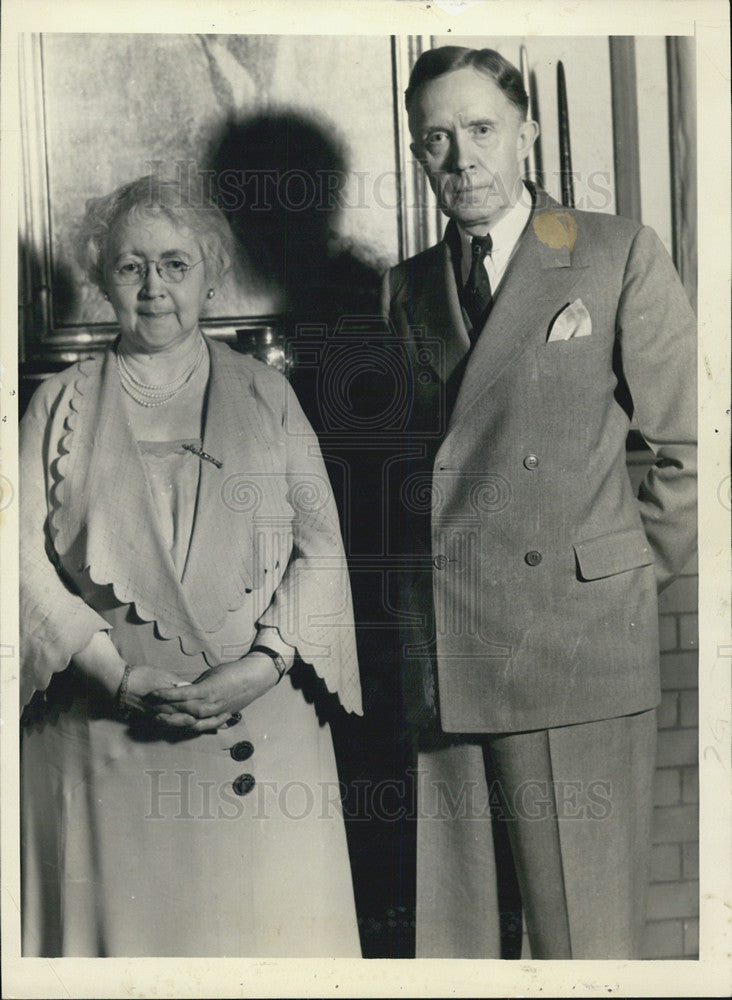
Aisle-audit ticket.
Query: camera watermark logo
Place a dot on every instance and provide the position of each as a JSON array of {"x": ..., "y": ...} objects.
[
  {"x": 6, "y": 493},
  {"x": 724, "y": 492}
]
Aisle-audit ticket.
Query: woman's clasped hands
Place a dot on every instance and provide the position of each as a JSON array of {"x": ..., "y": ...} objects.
[{"x": 214, "y": 697}]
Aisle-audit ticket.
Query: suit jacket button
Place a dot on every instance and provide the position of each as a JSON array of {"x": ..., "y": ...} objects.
[
  {"x": 242, "y": 750},
  {"x": 533, "y": 558},
  {"x": 439, "y": 562},
  {"x": 243, "y": 784},
  {"x": 531, "y": 462}
]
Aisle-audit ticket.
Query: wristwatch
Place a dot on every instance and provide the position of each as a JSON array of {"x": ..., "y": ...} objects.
[{"x": 279, "y": 664}]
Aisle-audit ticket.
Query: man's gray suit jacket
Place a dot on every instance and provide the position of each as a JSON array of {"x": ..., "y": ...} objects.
[{"x": 546, "y": 564}]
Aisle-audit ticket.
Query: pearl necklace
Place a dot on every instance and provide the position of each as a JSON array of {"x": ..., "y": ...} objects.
[{"x": 157, "y": 395}]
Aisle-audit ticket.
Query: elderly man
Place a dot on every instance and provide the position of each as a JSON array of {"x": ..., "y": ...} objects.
[{"x": 535, "y": 334}]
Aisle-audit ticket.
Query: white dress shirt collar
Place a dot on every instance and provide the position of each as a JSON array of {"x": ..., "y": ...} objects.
[{"x": 505, "y": 235}]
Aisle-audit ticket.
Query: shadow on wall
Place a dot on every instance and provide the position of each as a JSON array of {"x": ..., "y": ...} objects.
[{"x": 280, "y": 179}]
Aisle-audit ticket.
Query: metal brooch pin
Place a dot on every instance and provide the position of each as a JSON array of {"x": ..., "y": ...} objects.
[{"x": 203, "y": 455}]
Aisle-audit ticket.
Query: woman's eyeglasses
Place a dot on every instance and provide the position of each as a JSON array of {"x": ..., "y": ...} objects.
[{"x": 172, "y": 270}]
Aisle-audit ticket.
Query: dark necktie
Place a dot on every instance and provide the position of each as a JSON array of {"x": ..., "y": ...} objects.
[{"x": 477, "y": 295}]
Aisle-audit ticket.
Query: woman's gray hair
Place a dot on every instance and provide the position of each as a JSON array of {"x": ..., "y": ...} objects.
[{"x": 180, "y": 201}]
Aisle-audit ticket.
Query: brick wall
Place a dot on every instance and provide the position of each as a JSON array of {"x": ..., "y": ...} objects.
[
  {"x": 672, "y": 927},
  {"x": 672, "y": 930}
]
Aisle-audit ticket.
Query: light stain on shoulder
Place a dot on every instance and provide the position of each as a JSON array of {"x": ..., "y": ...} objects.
[{"x": 556, "y": 229}]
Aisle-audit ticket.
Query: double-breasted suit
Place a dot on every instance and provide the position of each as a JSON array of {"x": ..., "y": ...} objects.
[{"x": 545, "y": 563}]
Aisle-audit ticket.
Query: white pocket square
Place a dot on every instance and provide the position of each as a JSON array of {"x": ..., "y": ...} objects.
[{"x": 573, "y": 321}]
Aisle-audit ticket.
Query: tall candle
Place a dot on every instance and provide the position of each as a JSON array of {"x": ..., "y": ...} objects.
[
  {"x": 531, "y": 169},
  {"x": 565, "y": 153}
]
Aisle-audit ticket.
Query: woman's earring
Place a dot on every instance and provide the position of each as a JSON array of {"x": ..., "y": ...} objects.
[{"x": 210, "y": 293}]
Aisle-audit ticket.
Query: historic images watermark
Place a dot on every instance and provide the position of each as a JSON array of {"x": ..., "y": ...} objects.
[
  {"x": 328, "y": 190},
  {"x": 182, "y": 794}
]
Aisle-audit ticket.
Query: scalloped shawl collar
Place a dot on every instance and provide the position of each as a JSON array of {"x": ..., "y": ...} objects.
[{"x": 103, "y": 517}]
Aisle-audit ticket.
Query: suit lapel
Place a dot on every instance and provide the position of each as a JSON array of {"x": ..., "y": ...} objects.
[
  {"x": 437, "y": 308},
  {"x": 537, "y": 281}
]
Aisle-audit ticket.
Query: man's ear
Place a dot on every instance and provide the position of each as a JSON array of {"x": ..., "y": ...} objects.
[{"x": 527, "y": 136}]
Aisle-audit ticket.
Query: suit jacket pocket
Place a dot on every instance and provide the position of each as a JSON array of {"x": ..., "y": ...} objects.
[
  {"x": 611, "y": 554},
  {"x": 571, "y": 323},
  {"x": 573, "y": 358}
]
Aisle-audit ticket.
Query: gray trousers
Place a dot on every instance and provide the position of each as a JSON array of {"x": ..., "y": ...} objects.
[{"x": 576, "y": 801}]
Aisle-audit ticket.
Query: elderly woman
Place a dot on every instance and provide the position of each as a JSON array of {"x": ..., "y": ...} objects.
[{"x": 180, "y": 552}]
